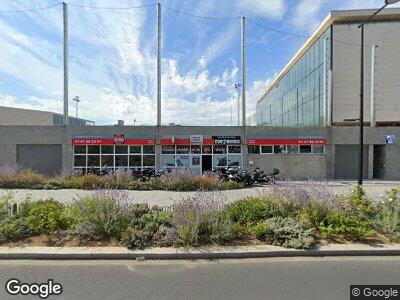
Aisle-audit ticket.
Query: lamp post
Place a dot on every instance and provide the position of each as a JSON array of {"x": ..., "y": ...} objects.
[
  {"x": 361, "y": 118},
  {"x": 77, "y": 100}
]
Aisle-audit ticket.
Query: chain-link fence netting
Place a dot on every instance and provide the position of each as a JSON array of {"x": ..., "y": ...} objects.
[{"x": 31, "y": 51}]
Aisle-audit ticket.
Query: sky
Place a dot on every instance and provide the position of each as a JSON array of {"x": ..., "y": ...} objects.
[{"x": 112, "y": 55}]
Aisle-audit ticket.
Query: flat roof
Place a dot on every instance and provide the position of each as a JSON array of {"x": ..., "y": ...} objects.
[{"x": 335, "y": 16}]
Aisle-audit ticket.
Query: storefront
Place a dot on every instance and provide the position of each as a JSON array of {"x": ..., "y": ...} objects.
[
  {"x": 113, "y": 152},
  {"x": 200, "y": 153},
  {"x": 286, "y": 145}
]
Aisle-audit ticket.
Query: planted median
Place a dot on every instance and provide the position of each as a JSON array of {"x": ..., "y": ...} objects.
[{"x": 288, "y": 215}]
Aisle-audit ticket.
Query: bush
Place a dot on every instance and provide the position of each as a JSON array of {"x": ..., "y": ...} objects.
[
  {"x": 200, "y": 220},
  {"x": 360, "y": 204},
  {"x": 44, "y": 216},
  {"x": 347, "y": 226},
  {"x": 21, "y": 179},
  {"x": 104, "y": 214},
  {"x": 86, "y": 182},
  {"x": 285, "y": 232},
  {"x": 151, "y": 228},
  {"x": 252, "y": 210},
  {"x": 387, "y": 219}
]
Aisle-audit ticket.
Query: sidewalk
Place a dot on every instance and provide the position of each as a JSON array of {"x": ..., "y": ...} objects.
[{"x": 230, "y": 252}]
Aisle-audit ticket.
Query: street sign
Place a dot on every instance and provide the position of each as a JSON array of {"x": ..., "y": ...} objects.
[{"x": 390, "y": 139}]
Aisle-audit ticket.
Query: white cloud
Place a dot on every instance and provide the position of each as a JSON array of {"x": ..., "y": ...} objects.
[
  {"x": 307, "y": 14},
  {"x": 272, "y": 9}
]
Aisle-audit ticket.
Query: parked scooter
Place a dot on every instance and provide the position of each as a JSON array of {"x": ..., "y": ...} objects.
[{"x": 265, "y": 178}]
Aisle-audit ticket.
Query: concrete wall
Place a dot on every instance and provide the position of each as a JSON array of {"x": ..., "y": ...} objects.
[
  {"x": 346, "y": 71},
  {"x": 293, "y": 166},
  {"x": 18, "y": 116}
]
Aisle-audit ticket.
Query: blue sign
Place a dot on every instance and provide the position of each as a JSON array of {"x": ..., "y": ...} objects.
[{"x": 390, "y": 139}]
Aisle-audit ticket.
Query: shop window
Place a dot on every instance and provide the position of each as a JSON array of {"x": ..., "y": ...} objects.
[
  {"x": 234, "y": 149},
  {"x": 149, "y": 149},
  {"x": 168, "y": 150},
  {"x": 305, "y": 149},
  {"x": 318, "y": 149},
  {"x": 254, "y": 149},
  {"x": 183, "y": 149},
  {"x": 107, "y": 161},
  {"x": 279, "y": 149},
  {"x": 267, "y": 149},
  {"x": 135, "y": 160},
  {"x": 135, "y": 149},
  {"x": 168, "y": 161},
  {"x": 219, "y": 161},
  {"x": 196, "y": 149},
  {"x": 290, "y": 149},
  {"x": 207, "y": 149},
  {"x": 107, "y": 149},
  {"x": 183, "y": 161},
  {"x": 80, "y": 149},
  {"x": 149, "y": 160},
  {"x": 93, "y": 160},
  {"x": 121, "y": 149},
  {"x": 219, "y": 149},
  {"x": 93, "y": 149},
  {"x": 121, "y": 160},
  {"x": 80, "y": 160},
  {"x": 234, "y": 160}
]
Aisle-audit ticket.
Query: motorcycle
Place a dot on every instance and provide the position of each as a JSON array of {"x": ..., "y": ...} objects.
[{"x": 265, "y": 178}]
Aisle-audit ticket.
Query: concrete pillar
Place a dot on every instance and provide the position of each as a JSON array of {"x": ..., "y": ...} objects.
[
  {"x": 370, "y": 161},
  {"x": 158, "y": 156}
]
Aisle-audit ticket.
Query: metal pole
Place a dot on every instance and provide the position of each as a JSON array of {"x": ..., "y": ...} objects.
[
  {"x": 65, "y": 54},
  {"x": 77, "y": 109},
  {"x": 243, "y": 31},
  {"x": 373, "y": 117},
  {"x": 158, "y": 64},
  {"x": 361, "y": 117},
  {"x": 238, "y": 104},
  {"x": 324, "y": 83}
]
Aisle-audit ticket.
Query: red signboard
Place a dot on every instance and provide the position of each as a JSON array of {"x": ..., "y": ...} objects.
[
  {"x": 112, "y": 141},
  {"x": 297, "y": 141}
]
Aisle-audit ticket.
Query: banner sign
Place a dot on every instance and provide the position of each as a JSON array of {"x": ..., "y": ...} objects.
[
  {"x": 118, "y": 139},
  {"x": 196, "y": 139},
  {"x": 227, "y": 140},
  {"x": 301, "y": 141},
  {"x": 390, "y": 139}
]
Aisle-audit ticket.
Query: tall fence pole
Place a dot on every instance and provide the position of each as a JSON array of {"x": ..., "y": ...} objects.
[
  {"x": 373, "y": 112},
  {"x": 158, "y": 64},
  {"x": 243, "y": 41},
  {"x": 65, "y": 54}
]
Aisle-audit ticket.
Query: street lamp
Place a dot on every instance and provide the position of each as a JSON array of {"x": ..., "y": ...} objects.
[
  {"x": 77, "y": 100},
  {"x": 361, "y": 119}
]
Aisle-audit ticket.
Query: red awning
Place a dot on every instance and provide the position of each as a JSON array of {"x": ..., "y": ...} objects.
[
  {"x": 285, "y": 141},
  {"x": 110, "y": 141}
]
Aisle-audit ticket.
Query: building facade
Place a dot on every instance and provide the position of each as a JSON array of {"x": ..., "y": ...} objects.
[{"x": 320, "y": 84}]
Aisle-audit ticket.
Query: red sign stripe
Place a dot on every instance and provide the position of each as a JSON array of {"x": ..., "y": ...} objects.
[
  {"x": 305, "y": 141},
  {"x": 110, "y": 141}
]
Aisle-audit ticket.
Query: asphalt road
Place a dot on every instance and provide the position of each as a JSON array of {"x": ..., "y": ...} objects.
[
  {"x": 273, "y": 278},
  {"x": 374, "y": 189}
]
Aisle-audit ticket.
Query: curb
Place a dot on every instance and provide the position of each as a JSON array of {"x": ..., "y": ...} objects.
[{"x": 85, "y": 255}]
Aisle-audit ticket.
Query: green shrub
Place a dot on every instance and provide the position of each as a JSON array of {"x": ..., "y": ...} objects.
[
  {"x": 252, "y": 210},
  {"x": 86, "y": 182},
  {"x": 347, "y": 226},
  {"x": 314, "y": 214},
  {"x": 387, "y": 219},
  {"x": 259, "y": 230},
  {"x": 44, "y": 216},
  {"x": 149, "y": 229},
  {"x": 286, "y": 232},
  {"x": 14, "y": 229},
  {"x": 22, "y": 179},
  {"x": 360, "y": 204},
  {"x": 98, "y": 216}
]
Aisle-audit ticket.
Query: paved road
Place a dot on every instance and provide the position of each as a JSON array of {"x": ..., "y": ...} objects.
[
  {"x": 287, "y": 278},
  {"x": 373, "y": 188}
]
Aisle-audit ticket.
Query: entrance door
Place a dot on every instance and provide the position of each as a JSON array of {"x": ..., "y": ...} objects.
[
  {"x": 379, "y": 161},
  {"x": 195, "y": 164},
  {"x": 206, "y": 163}
]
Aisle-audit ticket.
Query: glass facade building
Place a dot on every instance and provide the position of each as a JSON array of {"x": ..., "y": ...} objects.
[{"x": 297, "y": 99}]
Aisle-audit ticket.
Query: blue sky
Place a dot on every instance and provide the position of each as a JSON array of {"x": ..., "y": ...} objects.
[{"x": 113, "y": 55}]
